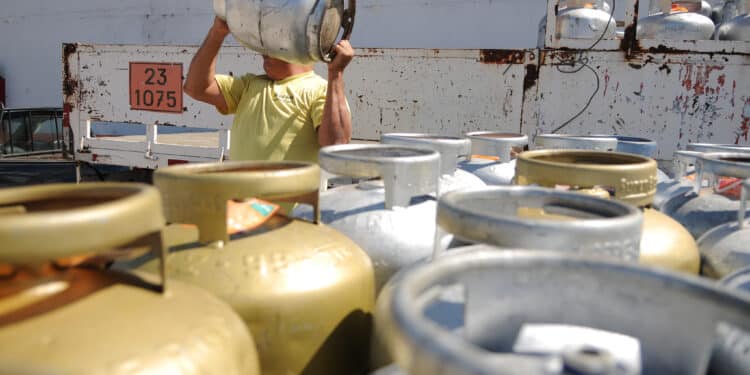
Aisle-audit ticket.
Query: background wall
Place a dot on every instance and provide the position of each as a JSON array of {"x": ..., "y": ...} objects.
[{"x": 32, "y": 31}]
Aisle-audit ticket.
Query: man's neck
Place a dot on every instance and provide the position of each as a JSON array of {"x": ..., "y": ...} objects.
[{"x": 290, "y": 71}]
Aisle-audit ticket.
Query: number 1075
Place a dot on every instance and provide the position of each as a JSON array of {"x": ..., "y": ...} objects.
[{"x": 156, "y": 98}]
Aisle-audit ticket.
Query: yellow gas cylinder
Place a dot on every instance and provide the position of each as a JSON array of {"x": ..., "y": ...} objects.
[
  {"x": 62, "y": 312},
  {"x": 627, "y": 177},
  {"x": 305, "y": 290}
]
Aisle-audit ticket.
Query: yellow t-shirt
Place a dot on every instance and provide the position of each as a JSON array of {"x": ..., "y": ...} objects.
[{"x": 274, "y": 120}]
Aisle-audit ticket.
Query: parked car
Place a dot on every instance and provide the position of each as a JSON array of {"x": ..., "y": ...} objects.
[{"x": 25, "y": 131}]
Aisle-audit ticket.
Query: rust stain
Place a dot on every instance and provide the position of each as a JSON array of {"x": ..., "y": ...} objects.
[
  {"x": 629, "y": 41},
  {"x": 69, "y": 85},
  {"x": 745, "y": 124},
  {"x": 687, "y": 78},
  {"x": 744, "y": 128},
  {"x": 531, "y": 76},
  {"x": 500, "y": 56},
  {"x": 664, "y": 49},
  {"x": 697, "y": 79},
  {"x": 606, "y": 81}
]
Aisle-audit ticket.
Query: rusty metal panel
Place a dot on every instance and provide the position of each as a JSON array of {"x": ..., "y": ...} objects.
[
  {"x": 672, "y": 98},
  {"x": 448, "y": 92}
]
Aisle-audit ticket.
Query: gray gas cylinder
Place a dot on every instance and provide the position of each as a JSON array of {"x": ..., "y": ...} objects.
[
  {"x": 296, "y": 31},
  {"x": 507, "y": 217},
  {"x": 391, "y": 213},
  {"x": 739, "y": 280},
  {"x": 702, "y": 209},
  {"x": 681, "y": 185},
  {"x": 676, "y": 25},
  {"x": 737, "y": 28},
  {"x": 580, "y": 19},
  {"x": 452, "y": 150},
  {"x": 724, "y": 249},
  {"x": 493, "y": 159},
  {"x": 575, "y": 142},
  {"x": 533, "y": 313}
]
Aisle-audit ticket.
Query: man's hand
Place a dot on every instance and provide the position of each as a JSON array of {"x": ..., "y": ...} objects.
[
  {"x": 344, "y": 55},
  {"x": 220, "y": 27}
]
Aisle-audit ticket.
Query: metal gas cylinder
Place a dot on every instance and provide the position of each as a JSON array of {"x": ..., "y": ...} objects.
[
  {"x": 633, "y": 145},
  {"x": 493, "y": 157},
  {"x": 391, "y": 218},
  {"x": 536, "y": 312},
  {"x": 704, "y": 208},
  {"x": 298, "y": 31},
  {"x": 724, "y": 248},
  {"x": 61, "y": 311},
  {"x": 605, "y": 142},
  {"x": 737, "y": 28},
  {"x": 739, "y": 280},
  {"x": 574, "y": 142},
  {"x": 504, "y": 217},
  {"x": 600, "y": 142},
  {"x": 723, "y": 11},
  {"x": 304, "y": 290},
  {"x": 676, "y": 20},
  {"x": 541, "y": 218},
  {"x": 452, "y": 150},
  {"x": 682, "y": 185},
  {"x": 582, "y": 19},
  {"x": 626, "y": 177}
]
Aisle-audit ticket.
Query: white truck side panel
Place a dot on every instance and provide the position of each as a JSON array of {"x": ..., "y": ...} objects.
[{"x": 673, "y": 99}]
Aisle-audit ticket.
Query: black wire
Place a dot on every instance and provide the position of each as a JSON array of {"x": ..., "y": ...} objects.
[
  {"x": 584, "y": 63},
  {"x": 566, "y": 123}
]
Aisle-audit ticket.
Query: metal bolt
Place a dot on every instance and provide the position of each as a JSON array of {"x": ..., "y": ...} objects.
[{"x": 588, "y": 360}]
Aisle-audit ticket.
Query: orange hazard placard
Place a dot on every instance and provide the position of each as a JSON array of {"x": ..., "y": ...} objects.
[{"x": 156, "y": 87}]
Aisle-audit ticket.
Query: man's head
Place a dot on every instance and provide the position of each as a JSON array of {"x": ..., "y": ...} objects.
[{"x": 279, "y": 69}]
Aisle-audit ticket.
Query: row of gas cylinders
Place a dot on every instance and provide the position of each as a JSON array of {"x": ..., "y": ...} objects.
[
  {"x": 396, "y": 258},
  {"x": 666, "y": 20}
]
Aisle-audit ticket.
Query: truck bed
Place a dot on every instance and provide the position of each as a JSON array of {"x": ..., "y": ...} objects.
[{"x": 203, "y": 139}]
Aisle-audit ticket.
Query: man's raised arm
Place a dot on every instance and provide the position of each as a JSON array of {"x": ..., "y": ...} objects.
[
  {"x": 336, "y": 126},
  {"x": 200, "y": 83}
]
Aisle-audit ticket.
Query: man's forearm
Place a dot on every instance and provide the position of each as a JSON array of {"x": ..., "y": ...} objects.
[
  {"x": 336, "y": 127},
  {"x": 202, "y": 71}
]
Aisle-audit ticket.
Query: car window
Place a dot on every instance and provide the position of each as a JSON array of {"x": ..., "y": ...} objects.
[
  {"x": 44, "y": 131},
  {"x": 19, "y": 132},
  {"x": 4, "y": 136}
]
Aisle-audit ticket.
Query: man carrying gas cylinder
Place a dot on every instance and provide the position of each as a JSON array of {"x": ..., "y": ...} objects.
[{"x": 286, "y": 114}]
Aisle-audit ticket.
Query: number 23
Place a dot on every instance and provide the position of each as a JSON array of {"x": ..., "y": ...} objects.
[{"x": 151, "y": 73}]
